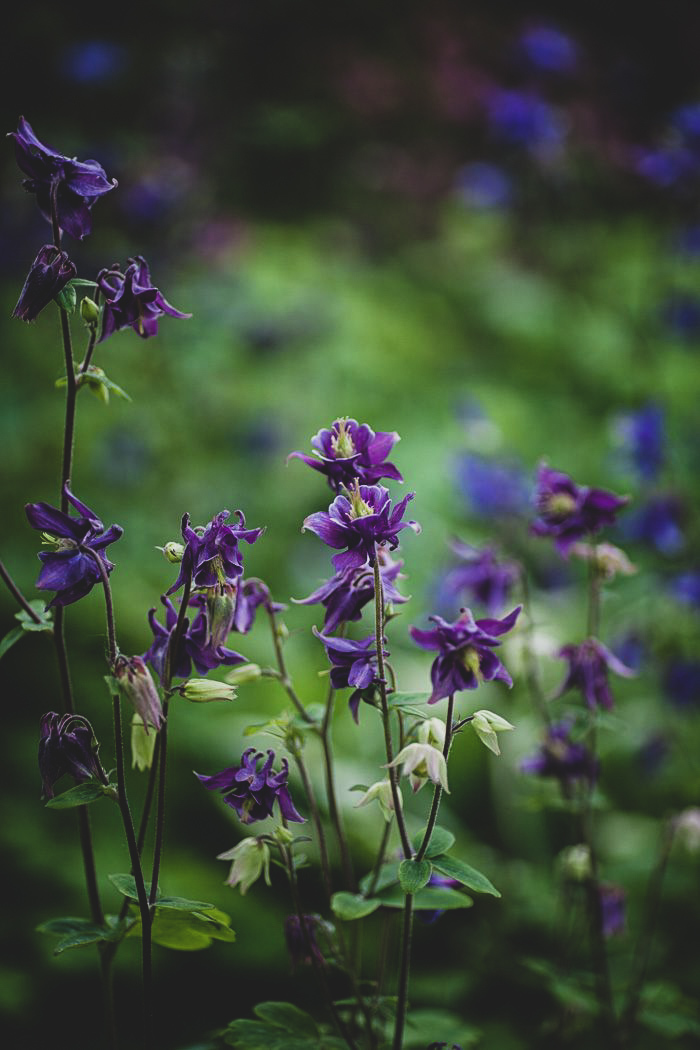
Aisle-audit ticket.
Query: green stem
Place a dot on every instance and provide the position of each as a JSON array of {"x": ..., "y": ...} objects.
[
  {"x": 530, "y": 665},
  {"x": 402, "y": 1001},
  {"x": 437, "y": 793},
  {"x": 17, "y": 594},
  {"x": 380, "y": 859},
  {"x": 316, "y": 818},
  {"x": 283, "y": 673},
  {"x": 594, "y": 594},
  {"x": 333, "y": 808}
]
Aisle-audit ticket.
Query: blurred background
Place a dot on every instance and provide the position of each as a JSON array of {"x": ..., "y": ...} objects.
[{"x": 478, "y": 225}]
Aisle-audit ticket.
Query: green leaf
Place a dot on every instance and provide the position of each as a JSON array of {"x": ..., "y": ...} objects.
[
  {"x": 352, "y": 905},
  {"x": 388, "y": 876},
  {"x": 45, "y": 621},
  {"x": 82, "y": 282},
  {"x": 259, "y": 1035},
  {"x": 468, "y": 876},
  {"x": 79, "y": 795},
  {"x": 440, "y": 841},
  {"x": 409, "y": 703},
  {"x": 186, "y": 931},
  {"x": 74, "y": 932},
  {"x": 431, "y": 898},
  {"x": 414, "y": 874},
  {"x": 126, "y": 884},
  {"x": 289, "y": 1017},
  {"x": 183, "y": 904},
  {"x": 9, "y": 640},
  {"x": 66, "y": 298}
]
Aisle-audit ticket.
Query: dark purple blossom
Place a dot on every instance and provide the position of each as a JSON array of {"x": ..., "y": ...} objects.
[
  {"x": 686, "y": 587},
  {"x": 67, "y": 744},
  {"x": 643, "y": 438},
  {"x": 589, "y": 663},
  {"x": 301, "y": 942},
  {"x": 346, "y": 594},
  {"x": 198, "y": 644},
  {"x": 493, "y": 488},
  {"x": 658, "y": 522},
  {"x": 548, "y": 49},
  {"x": 359, "y": 521},
  {"x": 76, "y": 184},
  {"x": 211, "y": 554},
  {"x": 252, "y": 792},
  {"x": 612, "y": 909},
  {"x": 465, "y": 652},
  {"x": 561, "y": 757},
  {"x": 131, "y": 300},
  {"x": 681, "y": 683},
  {"x": 569, "y": 512},
  {"x": 71, "y": 569},
  {"x": 349, "y": 450},
  {"x": 523, "y": 119},
  {"x": 480, "y": 577},
  {"x": 680, "y": 314},
  {"x": 354, "y": 663},
  {"x": 50, "y": 273}
]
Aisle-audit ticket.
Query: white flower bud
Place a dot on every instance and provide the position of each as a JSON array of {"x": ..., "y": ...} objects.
[
  {"x": 250, "y": 857},
  {"x": 204, "y": 691},
  {"x": 381, "y": 791},
  {"x": 486, "y": 724}
]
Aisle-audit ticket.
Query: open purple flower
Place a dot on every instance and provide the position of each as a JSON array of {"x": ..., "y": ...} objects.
[
  {"x": 559, "y": 756},
  {"x": 354, "y": 663},
  {"x": 131, "y": 300},
  {"x": 465, "y": 652},
  {"x": 346, "y": 594},
  {"x": 50, "y": 273},
  {"x": 570, "y": 512},
  {"x": 359, "y": 521},
  {"x": 71, "y": 569},
  {"x": 588, "y": 672},
  {"x": 76, "y": 184},
  {"x": 480, "y": 577},
  {"x": 67, "y": 744},
  {"x": 349, "y": 450},
  {"x": 252, "y": 792},
  {"x": 211, "y": 552},
  {"x": 198, "y": 644}
]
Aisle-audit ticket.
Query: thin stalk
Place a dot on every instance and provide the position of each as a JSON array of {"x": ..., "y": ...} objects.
[
  {"x": 594, "y": 594},
  {"x": 402, "y": 1001},
  {"x": 601, "y": 969},
  {"x": 333, "y": 808},
  {"x": 112, "y": 648},
  {"x": 437, "y": 793},
  {"x": 530, "y": 665},
  {"x": 316, "y": 818},
  {"x": 380, "y": 859},
  {"x": 91, "y": 341},
  {"x": 283, "y": 673},
  {"x": 17, "y": 594}
]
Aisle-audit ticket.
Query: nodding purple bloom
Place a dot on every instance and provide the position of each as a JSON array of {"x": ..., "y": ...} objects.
[
  {"x": 560, "y": 757},
  {"x": 548, "y": 49},
  {"x": 302, "y": 944},
  {"x": 354, "y": 664},
  {"x": 569, "y": 512},
  {"x": 347, "y": 593},
  {"x": 71, "y": 569},
  {"x": 589, "y": 663},
  {"x": 252, "y": 792},
  {"x": 198, "y": 644},
  {"x": 643, "y": 437},
  {"x": 465, "y": 652},
  {"x": 686, "y": 587},
  {"x": 131, "y": 300},
  {"x": 67, "y": 744},
  {"x": 349, "y": 450},
  {"x": 359, "y": 521},
  {"x": 77, "y": 184},
  {"x": 211, "y": 552},
  {"x": 138, "y": 687},
  {"x": 681, "y": 683},
  {"x": 493, "y": 488},
  {"x": 480, "y": 577},
  {"x": 658, "y": 522},
  {"x": 612, "y": 909},
  {"x": 50, "y": 273}
]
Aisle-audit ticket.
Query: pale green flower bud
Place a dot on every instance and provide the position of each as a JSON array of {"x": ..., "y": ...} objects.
[
  {"x": 173, "y": 551},
  {"x": 244, "y": 673},
  {"x": 432, "y": 731},
  {"x": 486, "y": 724},
  {"x": 422, "y": 762},
  {"x": 687, "y": 828},
  {"x": 283, "y": 835},
  {"x": 143, "y": 745},
  {"x": 381, "y": 791},
  {"x": 89, "y": 311},
  {"x": 250, "y": 857},
  {"x": 204, "y": 691},
  {"x": 575, "y": 863}
]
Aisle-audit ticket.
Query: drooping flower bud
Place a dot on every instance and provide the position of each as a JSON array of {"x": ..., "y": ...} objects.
[
  {"x": 250, "y": 857},
  {"x": 50, "y": 273},
  {"x": 89, "y": 311},
  {"x": 137, "y": 686},
  {"x": 204, "y": 691},
  {"x": 381, "y": 791},
  {"x": 67, "y": 745},
  {"x": 422, "y": 762},
  {"x": 486, "y": 724},
  {"x": 143, "y": 745},
  {"x": 244, "y": 673}
]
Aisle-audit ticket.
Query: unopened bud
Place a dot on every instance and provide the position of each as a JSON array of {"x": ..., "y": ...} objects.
[
  {"x": 143, "y": 745},
  {"x": 204, "y": 691},
  {"x": 575, "y": 863},
  {"x": 381, "y": 791},
  {"x": 173, "y": 552},
  {"x": 244, "y": 673},
  {"x": 283, "y": 835},
  {"x": 250, "y": 858},
  {"x": 89, "y": 311},
  {"x": 136, "y": 684},
  {"x": 486, "y": 724}
]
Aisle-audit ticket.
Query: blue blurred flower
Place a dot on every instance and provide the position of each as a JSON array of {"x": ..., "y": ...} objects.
[
  {"x": 93, "y": 61},
  {"x": 548, "y": 49},
  {"x": 680, "y": 313},
  {"x": 665, "y": 166},
  {"x": 658, "y": 523},
  {"x": 686, "y": 587},
  {"x": 612, "y": 904},
  {"x": 561, "y": 757},
  {"x": 524, "y": 119},
  {"x": 480, "y": 578},
  {"x": 493, "y": 488},
  {"x": 643, "y": 437},
  {"x": 681, "y": 682},
  {"x": 481, "y": 185}
]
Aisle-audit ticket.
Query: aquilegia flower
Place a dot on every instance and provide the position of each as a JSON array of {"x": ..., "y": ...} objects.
[
  {"x": 612, "y": 908},
  {"x": 67, "y": 744},
  {"x": 465, "y": 652},
  {"x": 588, "y": 672},
  {"x": 302, "y": 943},
  {"x": 50, "y": 273},
  {"x": 71, "y": 569},
  {"x": 359, "y": 521},
  {"x": 354, "y": 663},
  {"x": 131, "y": 300},
  {"x": 570, "y": 512},
  {"x": 480, "y": 577},
  {"x": 561, "y": 757},
  {"x": 346, "y": 594},
  {"x": 197, "y": 644},
  {"x": 252, "y": 792},
  {"x": 76, "y": 184},
  {"x": 211, "y": 553},
  {"x": 349, "y": 450},
  {"x": 642, "y": 435}
]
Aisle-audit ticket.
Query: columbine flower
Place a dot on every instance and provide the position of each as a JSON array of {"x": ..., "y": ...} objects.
[
  {"x": 354, "y": 664},
  {"x": 481, "y": 577},
  {"x": 350, "y": 450},
  {"x": 612, "y": 906},
  {"x": 486, "y": 724},
  {"x": 493, "y": 488},
  {"x": 561, "y": 757},
  {"x": 250, "y": 857},
  {"x": 206, "y": 691},
  {"x": 70, "y": 569},
  {"x": 465, "y": 650},
  {"x": 211, "y": 552},
  {"x": 359, "y": 521},
  {"x": 131, "y": 300},
  {"x": 570, "y": 512},
  {"x": 588, "y": 672},
  {"x": 642, "y": 435},
  {"x": 422, "y": 762},
  {"x": 50, "y": 273},
  {"x": 67, "y": 745},
  {"x": 346, "y": 594},
  {"x": 658, "y": 522},
  {"x": 196, "y": 644},
  {"x": 381, "y": 791},
  {"x": 136, "y": 684},
  {"x": 252, "y": 792},
  {"x": 301, "y": 941},
  {"x": 77, "y": 184}
]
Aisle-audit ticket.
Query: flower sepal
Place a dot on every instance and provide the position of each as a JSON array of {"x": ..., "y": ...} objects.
[{"x": 486, "y": 724}]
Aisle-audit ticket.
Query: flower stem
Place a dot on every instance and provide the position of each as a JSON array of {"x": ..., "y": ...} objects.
[
  {"x": 402, "y": 1001},
  {"x": 17, "y": 594},
  {"x": 594, "y": 594},
  {"x": 333, "y": 809},
  {"x": 316, "y": 818},
  {"x": 437, "y": 793},
  {"x": 530, "y": 666},
  {"x": 281, "y": 664},
  {"x": 112, "y": 647}
]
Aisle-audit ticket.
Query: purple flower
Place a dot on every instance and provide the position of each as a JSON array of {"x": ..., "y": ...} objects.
[
  {"x": 50, "y": 273},
  {"x": 524, "y": 119},
  {"x": 681, "y": 682},
  {"x": 198, "y": 644},
  {"x": 588, "y": 672},
  {"x": 131, "y": 300},
  {"x": 252, "y": 792},
  {"x": 465, "y": 652},
  {"x": 569, "y": 512},
  {"x": 347, "y": 593},
  {"x": 643, "y": 437},
  {"x": 302, "y": 944},
  {"x": 493, "y": 488},
  {"x": 354, "y": 664},
  {"x": 138, "y": 687},
  {"x": 350, "y": 450},
  {"x": 612, "y": 909},
  {"x": 561, "y": 757},
  {"x": 359, "y": 521},
  {"x": 76, "y": 184},
  {"x": 686, "y": 587},
  {"x": 665, "y": 166},
  {"x": 658, "y": 523},
  {"x": 480, "y": 577},
  {"x": 548, "y": 49},
  {"x": 211, "y": 552},
  {"x": 67, "y": 745},
  {"x": 70, "y": 569}
]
